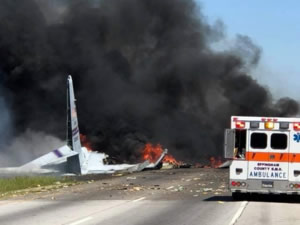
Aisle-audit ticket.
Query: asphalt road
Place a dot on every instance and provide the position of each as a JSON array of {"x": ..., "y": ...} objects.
[{"x": 185, "y": 196}]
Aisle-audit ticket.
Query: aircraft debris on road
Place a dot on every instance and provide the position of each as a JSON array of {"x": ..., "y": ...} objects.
[{"x": 72, "y": 158}]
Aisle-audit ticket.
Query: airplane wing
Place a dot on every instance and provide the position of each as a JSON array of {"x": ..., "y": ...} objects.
[
  {"x": 54, "y": 157},
  {"x": 50, "y": 163}
]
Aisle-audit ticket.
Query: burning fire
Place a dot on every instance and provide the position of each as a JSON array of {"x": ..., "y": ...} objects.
[
  {"x": 170, "y": 159},
  {"x": 85, "y": 142},
  {"x": 153, "y": 152}
]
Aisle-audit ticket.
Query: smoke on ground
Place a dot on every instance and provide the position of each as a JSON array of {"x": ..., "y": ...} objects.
[
  {"x": 27, "y": 146},
  {"x": 143, "y": 71}
]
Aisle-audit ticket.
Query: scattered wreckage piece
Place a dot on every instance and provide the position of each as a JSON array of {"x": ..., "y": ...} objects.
[
  {"x": 185, "y": 165},
  {"x": 168, "y": 165}
]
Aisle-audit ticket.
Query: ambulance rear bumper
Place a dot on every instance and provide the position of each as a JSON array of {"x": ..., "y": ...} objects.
[{"x": 259, "y": 186}]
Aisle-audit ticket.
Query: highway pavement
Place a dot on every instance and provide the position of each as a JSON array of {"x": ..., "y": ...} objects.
[{"x": 177, "y": 197}]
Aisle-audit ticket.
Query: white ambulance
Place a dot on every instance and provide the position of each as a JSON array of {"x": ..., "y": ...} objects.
[{"x": 265, "y": 154}]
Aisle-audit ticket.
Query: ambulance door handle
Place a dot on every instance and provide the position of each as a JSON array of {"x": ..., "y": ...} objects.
[{"x": 272, "y": 156}]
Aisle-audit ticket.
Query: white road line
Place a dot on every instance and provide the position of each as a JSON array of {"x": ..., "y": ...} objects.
[
  {"x": 238, "y": 213},
  {"x": 139, "y": 199},
  {"x": 81, "y": 221}
]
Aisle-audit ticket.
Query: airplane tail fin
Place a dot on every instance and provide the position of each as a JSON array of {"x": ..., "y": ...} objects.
[{"x": 73, "y": 135}]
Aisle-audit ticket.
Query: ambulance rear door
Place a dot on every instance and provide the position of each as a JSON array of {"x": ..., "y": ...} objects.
[
  {"x": 267, "y": 154},
  {"x": 279, "y": 154}
]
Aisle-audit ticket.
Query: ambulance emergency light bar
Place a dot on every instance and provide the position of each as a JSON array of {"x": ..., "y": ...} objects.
[{"x": 268, "y": 124}]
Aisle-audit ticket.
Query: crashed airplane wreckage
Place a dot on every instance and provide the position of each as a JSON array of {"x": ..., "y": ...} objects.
[{"x": 72, "y": 158}]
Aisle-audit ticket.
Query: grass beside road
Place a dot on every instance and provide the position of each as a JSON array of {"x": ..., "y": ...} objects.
[{"x": 19, "y": 183}]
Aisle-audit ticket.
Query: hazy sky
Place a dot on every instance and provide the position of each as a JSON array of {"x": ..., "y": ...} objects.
[{"x": 274, "y": 26}]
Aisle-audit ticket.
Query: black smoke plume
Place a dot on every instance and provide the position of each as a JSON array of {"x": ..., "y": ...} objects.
[{"x": 143, "y": 71}]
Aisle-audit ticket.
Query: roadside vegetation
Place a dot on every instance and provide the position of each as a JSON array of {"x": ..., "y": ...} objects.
[{"x": 19, "y": 183}]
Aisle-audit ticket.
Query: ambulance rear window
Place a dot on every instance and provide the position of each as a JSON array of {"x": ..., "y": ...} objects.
[
  {"x": 279, "y": 141},
  {"x": 258, "y": 140}
]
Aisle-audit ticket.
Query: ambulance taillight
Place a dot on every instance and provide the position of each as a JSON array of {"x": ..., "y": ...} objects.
[
  {"x": 294, "y": 185},
  {"x": 238, "y": 184}
]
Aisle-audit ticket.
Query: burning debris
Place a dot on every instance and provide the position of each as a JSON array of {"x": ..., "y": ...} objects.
[
  {"x": 153, "y": 152},
  {"x": 145, "y": 72}
]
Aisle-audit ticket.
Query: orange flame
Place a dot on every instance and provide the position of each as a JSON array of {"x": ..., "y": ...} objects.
[
  {"x": 170, "y": 159},
  {"x": 152, "y": 153},
  {"x": 85, "y": 142}
]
